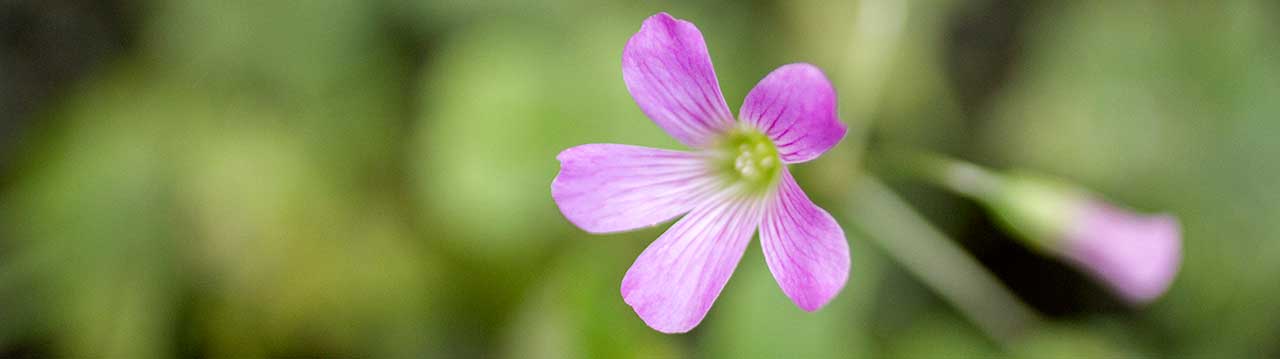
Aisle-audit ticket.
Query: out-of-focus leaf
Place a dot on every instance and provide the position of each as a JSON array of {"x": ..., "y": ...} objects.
[
  {"x": 576, "y": 311},
  {"x": 319, "y": 68},
  {"x": 153, "y": 185},
  {"x": 312, "y": 262},
  {"x": 492, "y": 126},
  {"x": 288, "y": 251},
  {"x": 95, "y": 212},
  {"x": 281, "y": 46}
]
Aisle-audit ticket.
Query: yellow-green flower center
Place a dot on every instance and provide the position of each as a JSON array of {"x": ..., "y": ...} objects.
[{"x": 750, "y": 158}]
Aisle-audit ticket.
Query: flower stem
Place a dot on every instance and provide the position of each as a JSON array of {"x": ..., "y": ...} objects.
[
  {"x": 938, "y": 262},
  {"x": 959, "y": 176}
]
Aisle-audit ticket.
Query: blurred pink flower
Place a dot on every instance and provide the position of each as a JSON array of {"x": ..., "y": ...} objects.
[
  {"x": 733, "y": 181},
  {"x": 1137, "y": 256}
]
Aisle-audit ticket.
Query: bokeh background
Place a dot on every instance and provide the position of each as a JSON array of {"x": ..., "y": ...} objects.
[{"x": 371, "y": 178}]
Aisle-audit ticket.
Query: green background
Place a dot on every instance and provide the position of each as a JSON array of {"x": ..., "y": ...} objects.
[{"x": 371, "y": 178}]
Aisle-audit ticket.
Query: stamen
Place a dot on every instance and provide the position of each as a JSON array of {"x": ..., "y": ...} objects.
[{"x": 754, "y": 158}]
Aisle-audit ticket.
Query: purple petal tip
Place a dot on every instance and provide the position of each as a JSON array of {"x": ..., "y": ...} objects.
[
  {"x": 668, "y": 71},
  {"x": 1137, "y": 256}
]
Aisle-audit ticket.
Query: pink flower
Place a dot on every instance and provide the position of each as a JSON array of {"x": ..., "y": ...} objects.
[
  {"x": 732, "y": 181},
  {"x": 1137, "y": 256}
]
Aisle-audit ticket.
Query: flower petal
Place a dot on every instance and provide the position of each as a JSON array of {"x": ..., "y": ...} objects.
[
  {"x": 1137, "y": 256},
  {"x": 605, "y": 188},
  {"x": 669, "y": 73},
  {"x": 674, "y": 282},
  {"x": 805, "y": 247},
  {"x": 796, "y": 106}
]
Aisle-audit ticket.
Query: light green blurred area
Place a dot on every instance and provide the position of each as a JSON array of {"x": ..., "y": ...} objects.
[{"x": 372, "y": 178}]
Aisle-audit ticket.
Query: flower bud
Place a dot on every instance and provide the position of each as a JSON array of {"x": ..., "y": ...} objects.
[{"x": 1135, "y": 255}]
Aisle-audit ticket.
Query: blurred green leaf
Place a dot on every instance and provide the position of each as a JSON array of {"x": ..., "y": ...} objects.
[
  {"x": 492, "y": 127},
  {"x": 576, "y": 310},
  {"x": 96, "y": 211},
  {"x": 301, "y": 47}
]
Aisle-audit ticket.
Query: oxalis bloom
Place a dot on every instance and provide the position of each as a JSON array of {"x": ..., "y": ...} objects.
[{"x": 732, "y": 181}]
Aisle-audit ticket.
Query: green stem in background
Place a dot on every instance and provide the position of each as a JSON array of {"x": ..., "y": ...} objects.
[
  {"x": 958, "y": 176},
  {"x": 1035, "y": 207},
  {"x": 938, "y": 262}
]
